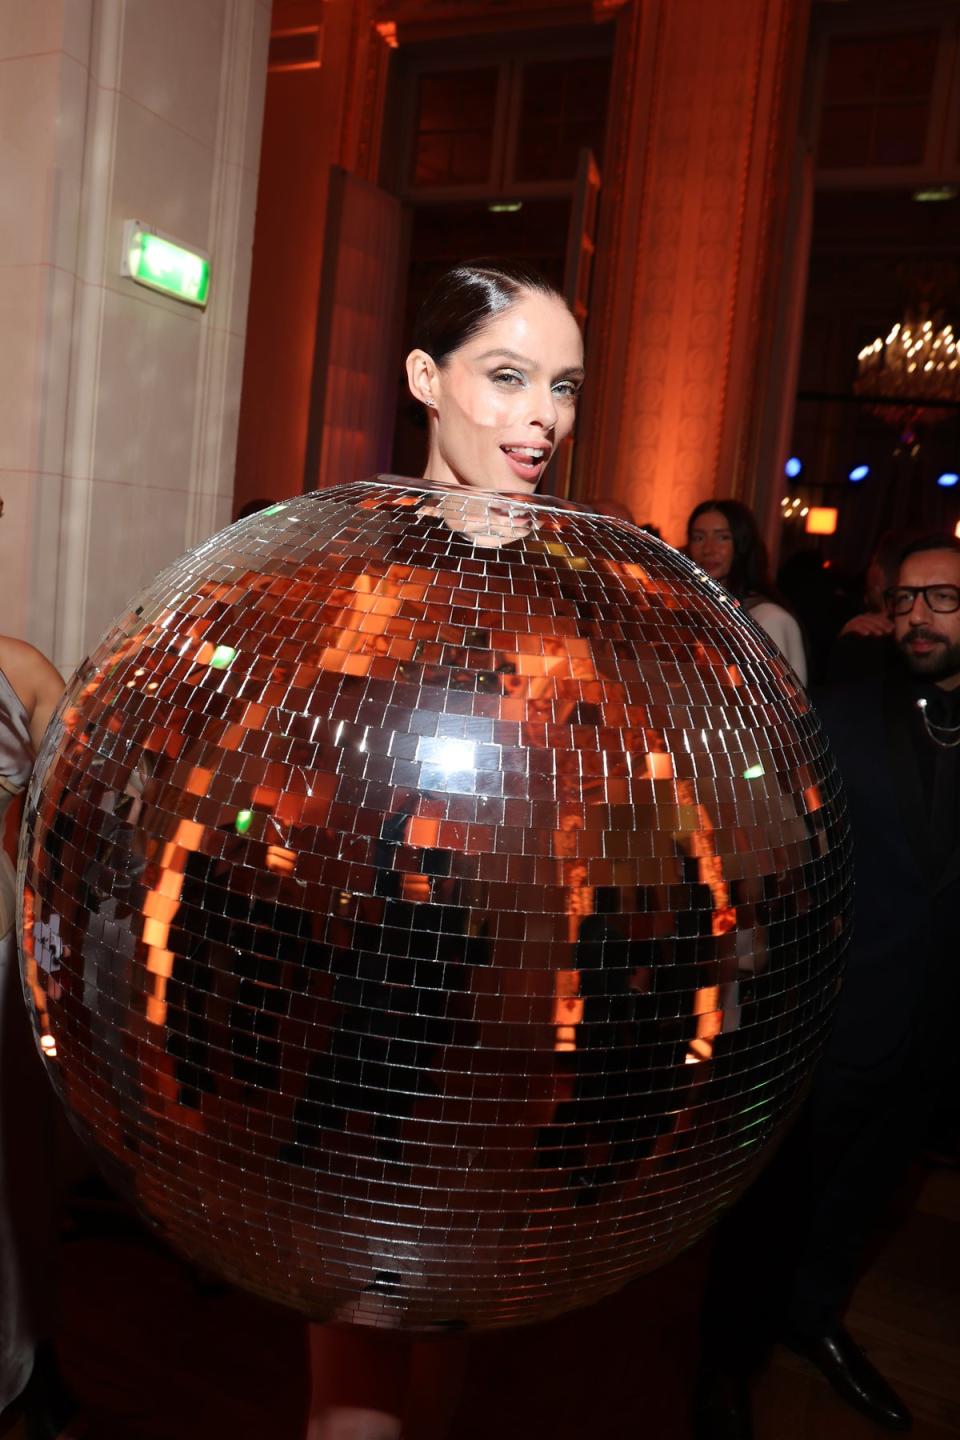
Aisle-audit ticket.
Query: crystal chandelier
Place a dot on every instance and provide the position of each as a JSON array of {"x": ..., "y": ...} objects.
[{"x": 912, "y": 374}]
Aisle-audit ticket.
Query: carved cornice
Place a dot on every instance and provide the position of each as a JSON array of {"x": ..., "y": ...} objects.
[
  {"x": 407, "y": 11},
  {"x": 431, "y": 19}
]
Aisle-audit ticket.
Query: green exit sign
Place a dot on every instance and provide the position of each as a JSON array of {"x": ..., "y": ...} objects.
[{"x": 162, "y": 263}]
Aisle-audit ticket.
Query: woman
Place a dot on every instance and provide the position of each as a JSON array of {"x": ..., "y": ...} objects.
[
  {"x": 497, "y": 363},
  {"x": 497, "y": 360},
  {"x": 29, "y": 690},
  {"x": 723, "y": 539}
]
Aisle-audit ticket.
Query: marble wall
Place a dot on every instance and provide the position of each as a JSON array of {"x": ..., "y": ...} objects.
[{"x": 118, "y": 406}]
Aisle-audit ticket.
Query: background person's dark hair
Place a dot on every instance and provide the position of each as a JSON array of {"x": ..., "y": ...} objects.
[
  {"x": 466, "y": 296},
  {"x": 750, "y": 570},
  {"x": 924, "y": 543}
]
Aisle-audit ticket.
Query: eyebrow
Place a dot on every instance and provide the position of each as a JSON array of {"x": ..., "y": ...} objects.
[{"x": 526, "y": 360}]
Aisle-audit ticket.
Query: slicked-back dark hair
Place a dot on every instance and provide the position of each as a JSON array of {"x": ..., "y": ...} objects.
[
  {"x": 466, "y": 296},
  {"x": 923, "y": 543}
]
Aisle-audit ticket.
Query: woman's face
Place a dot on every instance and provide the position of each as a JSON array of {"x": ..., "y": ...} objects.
[
  {"x": 505, "y": 399},
  {"x": 710, "y": 544}
]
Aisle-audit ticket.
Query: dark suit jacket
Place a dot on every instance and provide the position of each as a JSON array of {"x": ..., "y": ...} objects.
[{"x": 900, "y": 990}]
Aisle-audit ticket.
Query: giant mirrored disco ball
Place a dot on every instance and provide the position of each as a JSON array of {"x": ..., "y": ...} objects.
[{"x": 433, "y": 903}]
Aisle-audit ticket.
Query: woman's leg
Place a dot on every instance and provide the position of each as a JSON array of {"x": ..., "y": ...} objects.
[
  {"x": 376, "y": 1385},
  {"x": 358, "y": 1382}
]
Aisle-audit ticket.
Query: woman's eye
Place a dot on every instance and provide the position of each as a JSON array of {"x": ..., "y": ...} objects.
[
  {"x": 567, "y": 389},
  {"x": 507, "y": 377}
]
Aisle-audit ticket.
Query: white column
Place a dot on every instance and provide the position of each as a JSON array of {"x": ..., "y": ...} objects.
[
  {"x": 126, "y": 401},
  {"x": 44, "y": 53}
]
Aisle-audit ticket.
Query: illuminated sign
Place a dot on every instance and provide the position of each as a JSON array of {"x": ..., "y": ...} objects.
[
  {"x": 164, "y": 264},
  {"x": 821, "y": 520}
]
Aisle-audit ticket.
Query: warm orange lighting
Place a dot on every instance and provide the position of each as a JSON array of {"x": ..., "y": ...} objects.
[
  {"x": 821, "y": 520},
  {"x": 298, "y": 48},
  {"x": 567, "y": 1009},
  {"x": 281, "y": 860},
  {"x": 812, "y": 798},
  {"x": 387, "y": 30},
  {"x": 49, "y": 1046},
  {"x": 659, "y": 765},
  {"x": 956, "y": 529}
]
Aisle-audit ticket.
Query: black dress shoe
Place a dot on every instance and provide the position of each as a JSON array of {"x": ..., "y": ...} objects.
[
  {"x": 839, "y": 1358},
  {"x": 721, "y": 1407}
]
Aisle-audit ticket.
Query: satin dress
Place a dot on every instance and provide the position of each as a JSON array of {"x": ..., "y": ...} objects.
[{"x": 20, "y": 1074}]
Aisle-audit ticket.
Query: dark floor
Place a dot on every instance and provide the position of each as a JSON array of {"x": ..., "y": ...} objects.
[{"x": 154, "y": 1357}]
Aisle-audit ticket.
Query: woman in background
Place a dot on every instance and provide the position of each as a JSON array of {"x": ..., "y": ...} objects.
[{"x": 723, "y": 539}]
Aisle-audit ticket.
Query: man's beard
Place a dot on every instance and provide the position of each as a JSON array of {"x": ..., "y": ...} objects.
[{"x": 940, "y": 663}]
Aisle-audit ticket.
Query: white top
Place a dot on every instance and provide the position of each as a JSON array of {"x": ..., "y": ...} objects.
[{"x": 784, "y": 632}]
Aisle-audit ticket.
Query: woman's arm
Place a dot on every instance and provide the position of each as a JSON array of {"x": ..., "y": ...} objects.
[
  {"x": 785, "y": 634},
  {"x": 37, "y": 683}
]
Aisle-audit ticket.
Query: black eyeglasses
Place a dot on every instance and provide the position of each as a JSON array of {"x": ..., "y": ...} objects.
[{"x": 942, "y": 599}]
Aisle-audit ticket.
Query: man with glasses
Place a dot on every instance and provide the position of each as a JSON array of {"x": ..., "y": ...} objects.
[{"x": 789, "y": 1254}]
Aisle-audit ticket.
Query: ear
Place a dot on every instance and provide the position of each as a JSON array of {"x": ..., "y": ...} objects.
[{"x": 422, "y": 377}]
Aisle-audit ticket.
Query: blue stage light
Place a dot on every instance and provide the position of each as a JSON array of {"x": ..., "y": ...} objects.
[
  {"x": 948, "y": 478},
  {"x": 793, "y": 466},
  {"x": 858, "y": 473}
]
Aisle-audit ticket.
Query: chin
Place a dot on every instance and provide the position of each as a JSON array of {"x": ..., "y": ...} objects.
[{"x": 931, "y": 667}]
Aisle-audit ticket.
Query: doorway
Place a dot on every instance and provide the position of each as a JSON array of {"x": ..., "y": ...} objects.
[{"x": 485, "y": 156}]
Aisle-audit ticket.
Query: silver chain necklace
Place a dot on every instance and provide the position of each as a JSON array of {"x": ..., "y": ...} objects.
[{"x": 951, "y": 730}]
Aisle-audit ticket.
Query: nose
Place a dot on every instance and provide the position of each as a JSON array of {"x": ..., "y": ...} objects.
[{"x": 545, "y": 413}]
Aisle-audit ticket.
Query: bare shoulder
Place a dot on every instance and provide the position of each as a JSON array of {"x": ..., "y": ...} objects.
[{"x": 35, "y": 680}]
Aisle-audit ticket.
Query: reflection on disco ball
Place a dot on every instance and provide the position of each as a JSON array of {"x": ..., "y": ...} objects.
[{"x": 432, "y": 903}]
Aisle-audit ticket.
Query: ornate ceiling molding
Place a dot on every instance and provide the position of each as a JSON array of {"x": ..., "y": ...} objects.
[{"x": 424, "y": 19}]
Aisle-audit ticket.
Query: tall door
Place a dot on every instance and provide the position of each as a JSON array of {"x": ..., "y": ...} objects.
[
  {"x": 358, "y": 341},
  {"x": 577, "y": 278}
]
